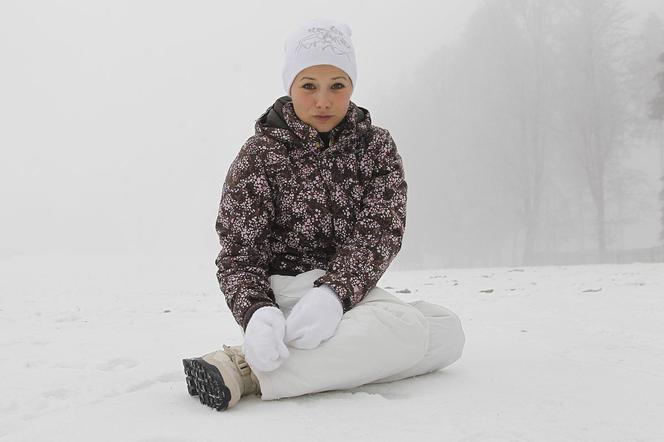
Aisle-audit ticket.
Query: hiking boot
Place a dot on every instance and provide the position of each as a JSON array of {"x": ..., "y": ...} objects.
[{"x": 220, "y": 378}]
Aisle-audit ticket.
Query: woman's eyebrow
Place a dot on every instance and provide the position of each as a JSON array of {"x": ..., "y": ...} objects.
[{"x": 311, "y": 78}]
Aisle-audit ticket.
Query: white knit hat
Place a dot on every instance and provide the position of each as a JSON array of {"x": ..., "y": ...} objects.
[{"x": 319, "y": 41}]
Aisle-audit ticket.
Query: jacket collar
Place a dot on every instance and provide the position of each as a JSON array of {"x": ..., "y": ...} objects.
[{"x": 281, "y": 122}]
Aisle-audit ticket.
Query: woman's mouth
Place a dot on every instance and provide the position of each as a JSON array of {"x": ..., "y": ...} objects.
[{"x": 322, "y": 117}]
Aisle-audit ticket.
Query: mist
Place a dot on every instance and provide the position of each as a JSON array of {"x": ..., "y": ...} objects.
[{"x": 524, "y": 126}]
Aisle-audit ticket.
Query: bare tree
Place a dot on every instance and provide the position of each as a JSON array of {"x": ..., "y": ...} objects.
[
  {"x": 657, "y": 113},
  {"x": 535, "y": 20},
  {"x": 593, "y": 53}
]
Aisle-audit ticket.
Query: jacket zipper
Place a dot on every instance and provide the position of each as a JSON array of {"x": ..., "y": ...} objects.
[{"x": 327, "y": 189}]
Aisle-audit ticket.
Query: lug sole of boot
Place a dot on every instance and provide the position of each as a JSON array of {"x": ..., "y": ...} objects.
[{"x": 205, "y": 381}]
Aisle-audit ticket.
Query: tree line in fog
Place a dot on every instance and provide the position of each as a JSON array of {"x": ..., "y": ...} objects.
[{"x": 518, "y": 134}]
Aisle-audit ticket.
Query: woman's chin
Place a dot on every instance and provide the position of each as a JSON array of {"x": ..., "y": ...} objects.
[{"x": 322, "y": 127}]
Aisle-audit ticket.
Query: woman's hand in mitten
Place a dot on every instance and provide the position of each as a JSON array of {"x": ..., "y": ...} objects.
[
  {"x": 314, "y": 318},
  {"x": 264, "y": 348}
]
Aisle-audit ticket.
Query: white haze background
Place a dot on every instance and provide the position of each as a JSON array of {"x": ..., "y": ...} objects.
[{"x": 118, "y": 121}]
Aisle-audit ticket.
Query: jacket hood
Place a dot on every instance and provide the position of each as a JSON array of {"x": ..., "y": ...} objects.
[{"x": 281, "y": 122}]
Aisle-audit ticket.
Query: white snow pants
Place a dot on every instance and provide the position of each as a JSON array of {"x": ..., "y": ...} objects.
[{"x": 381, "y": 339}]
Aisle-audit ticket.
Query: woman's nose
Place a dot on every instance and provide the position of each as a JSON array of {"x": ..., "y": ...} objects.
[{"x": 323, "y": 100}]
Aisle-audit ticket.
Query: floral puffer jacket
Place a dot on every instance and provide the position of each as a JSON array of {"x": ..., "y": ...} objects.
[{"x": 291, "y": 204}]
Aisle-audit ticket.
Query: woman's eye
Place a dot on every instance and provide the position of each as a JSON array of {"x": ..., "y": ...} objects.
[{"x": 341, "y": 86}]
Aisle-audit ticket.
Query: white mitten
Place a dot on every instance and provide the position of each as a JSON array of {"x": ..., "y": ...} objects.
[
  {"x": 264, "y": 348},
  {"x": 314, "y": 318}
]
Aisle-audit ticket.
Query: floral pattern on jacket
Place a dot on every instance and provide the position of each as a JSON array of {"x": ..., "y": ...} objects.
[{"x": 290, "y": 204}]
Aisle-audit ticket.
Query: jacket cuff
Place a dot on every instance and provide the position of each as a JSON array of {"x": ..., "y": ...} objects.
[
  {"x": 332, "y": 292},
  {"x": 339, "y": 288},
  {"x": 252, "y": 309}
]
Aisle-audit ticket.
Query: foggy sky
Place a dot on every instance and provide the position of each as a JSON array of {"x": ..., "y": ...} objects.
[{"x": 118, "y": 120}]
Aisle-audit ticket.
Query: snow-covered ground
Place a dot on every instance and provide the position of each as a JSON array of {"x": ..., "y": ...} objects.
[{"x": 91, "y": 349}]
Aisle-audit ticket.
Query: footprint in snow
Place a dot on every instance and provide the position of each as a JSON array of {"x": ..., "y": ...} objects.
[
  {"x": 117, "y": 364},
  {"x": 163, "y": 439},
  {"x": 170, "y": 377},
  {"x": 71, "y": 365},
  {"x": 58, "y": 393},
  {"x": 72, "y": 316}
]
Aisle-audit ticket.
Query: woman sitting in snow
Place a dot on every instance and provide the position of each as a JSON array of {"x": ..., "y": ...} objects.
[{"x": 312, "y": 212}]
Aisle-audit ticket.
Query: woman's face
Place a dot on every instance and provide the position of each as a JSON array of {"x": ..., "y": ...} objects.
[{"x": 321, "y": 90}]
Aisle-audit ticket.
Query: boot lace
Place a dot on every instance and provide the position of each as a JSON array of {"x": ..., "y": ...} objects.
[{"x": 237, "y": 356}]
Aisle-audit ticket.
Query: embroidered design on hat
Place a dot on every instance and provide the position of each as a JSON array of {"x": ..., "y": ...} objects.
[{"x": 330, "y": 38}]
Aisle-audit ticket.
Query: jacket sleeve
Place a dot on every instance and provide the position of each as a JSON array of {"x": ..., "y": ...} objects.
[
  {"x": 243, "y": 225},
  {"x": 360, "y": 262}
]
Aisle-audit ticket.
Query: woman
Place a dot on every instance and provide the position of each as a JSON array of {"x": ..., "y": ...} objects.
[{"x": 312, "y": 212}]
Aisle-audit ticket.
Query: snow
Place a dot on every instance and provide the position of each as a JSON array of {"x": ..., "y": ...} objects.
[{"x": 91, "y": 349}]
